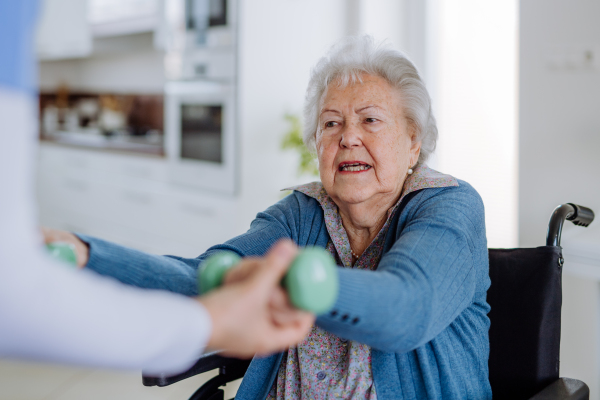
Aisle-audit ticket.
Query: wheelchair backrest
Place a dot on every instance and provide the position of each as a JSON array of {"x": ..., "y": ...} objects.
[{"x": 525, "y": 298}]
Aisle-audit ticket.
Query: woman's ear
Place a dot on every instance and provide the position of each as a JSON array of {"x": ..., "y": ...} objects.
[
  {"x": 415, "y": 148},
  {"x": 415, "y": 151}
]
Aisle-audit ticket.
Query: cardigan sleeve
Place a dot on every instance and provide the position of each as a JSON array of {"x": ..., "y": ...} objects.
[
  {"x": 423, "y": 282},
  {"x": 282, "y": 220}
]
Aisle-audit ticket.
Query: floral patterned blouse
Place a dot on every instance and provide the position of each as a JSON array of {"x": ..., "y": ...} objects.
[{"x": 325, "y": 366}]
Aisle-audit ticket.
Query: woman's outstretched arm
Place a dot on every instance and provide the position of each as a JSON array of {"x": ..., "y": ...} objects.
[
  {"x": 428, "y": 277},
  {"x": 286, "y": 219}
]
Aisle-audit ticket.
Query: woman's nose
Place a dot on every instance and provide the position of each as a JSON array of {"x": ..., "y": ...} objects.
[{"x": 350, "y": 136}]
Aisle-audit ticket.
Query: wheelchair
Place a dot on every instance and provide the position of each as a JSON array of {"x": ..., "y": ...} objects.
[{"x": 525, "y": 298}]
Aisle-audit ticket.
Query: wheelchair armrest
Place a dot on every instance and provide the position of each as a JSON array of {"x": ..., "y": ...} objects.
[
  {"x": 229, "y": 367},
  {"x": 564, "y": 389}
]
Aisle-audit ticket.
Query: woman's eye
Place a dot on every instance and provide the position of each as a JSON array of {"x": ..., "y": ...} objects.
[
  {"x": 330, "y": 124},
  {"x": 370, "y": 120}
]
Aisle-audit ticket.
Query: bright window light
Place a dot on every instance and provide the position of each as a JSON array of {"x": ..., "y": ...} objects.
[{"x": 472, "y": 69}]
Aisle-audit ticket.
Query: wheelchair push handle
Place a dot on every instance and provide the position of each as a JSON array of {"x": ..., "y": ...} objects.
[
  {"x": 583, "y": 216},
  {"x": 311, "y": 280},
  {"x": 579, "y": 215}
]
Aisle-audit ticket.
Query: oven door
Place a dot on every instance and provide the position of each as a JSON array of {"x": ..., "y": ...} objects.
[{"x": 200, "y": 135}]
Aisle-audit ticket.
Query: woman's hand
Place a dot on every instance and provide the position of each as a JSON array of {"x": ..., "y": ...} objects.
[
  {"x": 251, "y": 313},
  {"x": 82, "y": 251}
]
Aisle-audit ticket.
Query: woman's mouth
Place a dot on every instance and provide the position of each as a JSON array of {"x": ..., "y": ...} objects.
[{"x": 353, "y": 166}]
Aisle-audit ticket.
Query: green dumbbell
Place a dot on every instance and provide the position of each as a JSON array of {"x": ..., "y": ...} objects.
[
  {"x": 64, "y": 252},
  {"x": 311, "y": 281}
]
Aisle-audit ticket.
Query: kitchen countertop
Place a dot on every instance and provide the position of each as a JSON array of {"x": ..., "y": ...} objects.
[{"x": 136, "y": 144}]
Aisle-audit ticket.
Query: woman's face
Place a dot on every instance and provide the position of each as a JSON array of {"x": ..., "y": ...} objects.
[{"x": 364, "y": 142}]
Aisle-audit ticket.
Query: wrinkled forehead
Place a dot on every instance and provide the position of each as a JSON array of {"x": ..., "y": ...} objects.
[{"x": 360, "y": 88}]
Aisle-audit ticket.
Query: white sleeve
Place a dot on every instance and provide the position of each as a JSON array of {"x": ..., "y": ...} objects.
[{"x": 50, "y": 312}]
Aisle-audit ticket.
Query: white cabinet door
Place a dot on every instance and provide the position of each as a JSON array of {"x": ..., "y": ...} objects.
[
  {"x": 124, "y": 17},
  {"x": 63, "y": 30},
  {"x": 126, "y": 199}
]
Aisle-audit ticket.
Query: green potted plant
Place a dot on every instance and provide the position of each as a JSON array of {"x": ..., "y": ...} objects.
[{"x": 293, "y": 141}]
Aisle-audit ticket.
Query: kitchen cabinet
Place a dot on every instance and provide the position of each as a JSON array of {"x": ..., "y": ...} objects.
[
  {"x": 63, "y": 30},
  {"x": 67, "y": 28},
  {"x": 128, "y": 199},
  {"x": 124, "y": 17}
]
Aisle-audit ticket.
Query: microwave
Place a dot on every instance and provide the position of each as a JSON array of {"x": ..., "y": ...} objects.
[{"x": 200, "y": 135}]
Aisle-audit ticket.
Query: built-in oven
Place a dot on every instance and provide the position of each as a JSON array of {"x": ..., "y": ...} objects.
[{"x": 200, "y": 135}]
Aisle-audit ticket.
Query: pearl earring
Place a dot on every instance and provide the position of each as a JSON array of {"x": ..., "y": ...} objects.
[{"x": 410, "y": 171}]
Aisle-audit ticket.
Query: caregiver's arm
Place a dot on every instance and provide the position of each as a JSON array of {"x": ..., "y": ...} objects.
[
  {"x": 46, "y": 311},
  {"x": 49, "y": 312},
  {"x": 421, "y": 285}
]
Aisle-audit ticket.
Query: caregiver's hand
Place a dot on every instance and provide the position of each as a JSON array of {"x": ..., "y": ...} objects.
[
  {"x": 251, "y": 313},
  {"x": 82, "y": 251},
  {"x": 281, "y": 308}
]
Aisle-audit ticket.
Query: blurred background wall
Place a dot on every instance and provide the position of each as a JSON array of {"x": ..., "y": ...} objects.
[{"x": 559, "y": 90}]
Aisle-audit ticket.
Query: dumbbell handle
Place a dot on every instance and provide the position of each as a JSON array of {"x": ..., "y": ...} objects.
[
  {"x": 63, "y": 251},
  {"x": 311, "y": 280}
]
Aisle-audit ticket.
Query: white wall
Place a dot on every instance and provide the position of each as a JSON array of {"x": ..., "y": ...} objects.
[
  {"x": 559, "y": 145},
  {"x": 382, "y": 19},
  {"x": 280, "y": 40},
  {"x": 559, "y": 118}
]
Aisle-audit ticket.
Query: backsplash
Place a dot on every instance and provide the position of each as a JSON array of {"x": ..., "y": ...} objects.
[{"x": 129, "y": 122}]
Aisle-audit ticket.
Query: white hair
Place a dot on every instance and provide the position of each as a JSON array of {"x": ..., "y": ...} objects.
[{"x": 346, "y": 61}]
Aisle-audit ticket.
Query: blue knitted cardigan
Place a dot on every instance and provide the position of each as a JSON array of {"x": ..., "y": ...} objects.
[{"x": 423, "y": 311}]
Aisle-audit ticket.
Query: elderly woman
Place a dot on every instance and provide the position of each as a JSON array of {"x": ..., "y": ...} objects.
[{"x": 410, "y": 320}]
